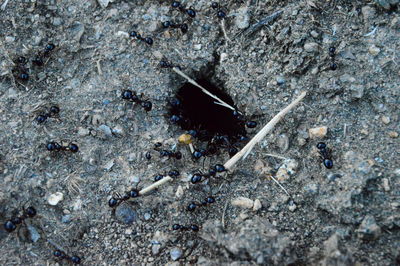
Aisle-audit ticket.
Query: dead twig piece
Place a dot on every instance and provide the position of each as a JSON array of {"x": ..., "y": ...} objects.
[
  {"x": 262, "y": 133},
  {"x": 4, "y": 5},
  {"x": 241, "y": 154},
  {"x": 221, "y": 102},
  {"x": 224, "y": 30}
]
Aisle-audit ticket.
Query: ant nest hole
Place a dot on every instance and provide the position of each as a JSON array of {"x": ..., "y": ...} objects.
[{"x": 204, "y": 118}]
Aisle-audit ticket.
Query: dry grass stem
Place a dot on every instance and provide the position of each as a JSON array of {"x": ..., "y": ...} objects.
[
  {"x": 155, "y": 185},
  {"x": 221, "y": 102},
  {"x": 279, "y": 184},
  {"x": 262, "y": 133}
]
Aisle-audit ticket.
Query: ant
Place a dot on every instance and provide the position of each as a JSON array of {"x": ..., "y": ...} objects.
[
  {"x": 165, "y": 153},
  {"x": 183, "y": 27},
  {"x": 172, "y": 173},
  {"x": 192, "y": 227},
  {"x": 118, "y": 199},
  {"x": 332, "y": 54},
  {"x": 53, "y": 111},
  {"x": 193, "y": 205},
  {"x": 20, "y": 71},
  {"x": 131, "y": 96},
  {"x": 38, "y": 60},
  {"x": 220, "y": 13},
  {"x": 189, "y": 11},
  {"x": 11, "y": 225},
  {"x": 198, "y": 177},
  {"x": 55, "y": 146},
  {"x": 136, "y": 35},
  {"x": 59, "y": 254},
  {"x": 326, "y": 156}
]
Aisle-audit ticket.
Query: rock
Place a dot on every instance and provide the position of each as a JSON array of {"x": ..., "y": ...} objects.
[
  {"x": 368, "y": 229},
  {"x": 356, "y": 91},
  {"x": 318, "y": 132},
  {"x": 288, "y": 168},
  {"x": 373, "y": 50},
  {"x": 179, "y": 192},
  {"x": 33, "y": 233},
  {"x": 125, "y": 214},
  {"x": 104, "y": 3},
  {"x": 311, "y": 47},
  {"x": 393, "y": 134},
  {"x": 242, "y": 20},
  {"x": 118, "y": 130},
  {"x": 385, "y": 120},
  {"x": 109, "y": 165},
  {"x": 175, "y": 253},
  {"x": 147, "y": 216},
  {"x": 82, "y": 132},
  {"x": 292, "y": 206},
  {"x": 55, "y": 198},
  {"x": 155, "y": 249},
  {"x": 385, "y": 184},
  {"x": 243, "y": 202},
  {"x": 282, "y": 142},
  {"x": 257, "y": 205},
  {"x": 280, "y": 80},
  {"x": 106, "y": 130}
]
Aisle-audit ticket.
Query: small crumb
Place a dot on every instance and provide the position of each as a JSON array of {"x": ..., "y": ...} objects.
[
  {"x": 385, "y": 120},
  {"x": 257, "y": 205},
  {"x": 393, "y": 134},
  {"x": 318, "y": 132},
  {"x": 55, "y": 198}
]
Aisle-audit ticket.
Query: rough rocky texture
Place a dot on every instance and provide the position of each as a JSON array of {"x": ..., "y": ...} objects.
[{"x": 341, "y": 216}]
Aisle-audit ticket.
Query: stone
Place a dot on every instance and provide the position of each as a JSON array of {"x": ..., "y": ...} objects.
[
  {"x": 66, "y": 219},
  {"x": 356, "y": 91},
  {"x": 311, "y": 47},
  {"x": 393, "y": 134},
  {"x": 243, "y": 202},
  {"x": 373, "y": 50},
  {"x": 104, "y": 3},
  {"x": 369, "y": 230},
  {"x": 175, "y": 253},
  {"x": 82, "y": 132},
  {"x": 155, "y": 249},
  {"x": 257, "y": 205},
  {"x": 118, "y": 130},
  {"x": 106, "y": 130},
  {"x": 33, "y": 233},
  {"x": 385, "y": 120},
  {"x": 125, "y": 214},
  {"x": 287, "y": 169},
  {"x": 318, "y": 132},
  {"x": 55, "y": 198},
  {"x": 242, "y": 20},
  {"x": 282, "y": 142}
]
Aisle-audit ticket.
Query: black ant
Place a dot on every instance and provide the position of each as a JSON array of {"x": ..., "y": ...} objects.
[
  {"x": 131, "y": 96},
  {"x": 38, "y": 60},
  {"x": 198, "y": 177},
  {"x": 55, "y": 146},
  {"x": 183, "y": 27},
  {"x": 166, "y": 153},
  {"x": 326, "y": 156},
  {"x": 332, "y": 54},
  {"x": 11, "y": 225},
  {"x": 189, "y": 11},
  {"x": 137, "y": 35},
  {"x": 59, "y": 254},
  {"x": 53, "y": 111},
  {"x": 193, "y": 205},
  {"x": 20, "y": 71},
  {"x": 118, "y": 199},
  {"x": 192, "y": 227},
  {"x": 172, "y": 173},
  {"x": 220, "y": 13}
]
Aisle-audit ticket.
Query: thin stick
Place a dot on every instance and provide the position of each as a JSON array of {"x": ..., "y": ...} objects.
[
  {"x": 203, "y": 89},
  {"x": 155, "y": 185},
  {"x": 229, "y": 164},
  {"x": 262, "y": 133},
  {"x": 224, "y": 30},
  {"x": 279, "y": 184},
  {"x": 191, "y": 147},
  {"x": 4, "y": 5}
]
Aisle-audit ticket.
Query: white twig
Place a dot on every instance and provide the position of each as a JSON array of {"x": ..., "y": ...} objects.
[
  {"x": 262, "y": 133},
  {"x": 229, "y": 164},
  {"x": 155, "y": 185},
  {"x": 224, "y": 30},
  {"x": 279, "y": 184},
  {"x": 203, "y": 89},
  {"x": 4, "y": 5},
  {"x": 371, "y": 32},
  {"x": 275, "y": 156}
]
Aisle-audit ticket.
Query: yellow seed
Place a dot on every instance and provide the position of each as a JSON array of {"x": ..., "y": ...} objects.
[{"x": 185, "y": 139}]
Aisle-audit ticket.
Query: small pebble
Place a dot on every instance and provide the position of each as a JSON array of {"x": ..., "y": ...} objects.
[
  {"x": 385, "y": 184},
  {"x": 33, "y": 232},
  {"x": 106, "y": 130},
  {"x": 175, "y": 253},
  {"x": 368, "y": 229},
  {"x": 280, "y": 80},
  {"x": 242, "y": 20},
  {"x": 147, "y": 216},
  {"x": 155, "y": 249},
  {"x": 393, "y": 134},
  {"x": 55, "y": 198},
  {"x": 179, "y": 192},
  {"x": 385, "y": 120},
  {"x": 311, "y": 47},
  {"x": 82, "y": 132},
  {"x": 243, "y": 202},
  {"x": 118, "y": 130},
  {"x": 318, "y": 132},
  {"x": 125, "y": 214},
  {"x": 257, "y": 205},
  {"x": 373, "y": 50},
  {"x": 66, "y": 219}
]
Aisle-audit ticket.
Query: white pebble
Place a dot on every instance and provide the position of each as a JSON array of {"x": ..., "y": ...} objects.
[
  {"x": 55, "y": 198},
  {"x": 318, "y": 132},
  {"x": 257, "y": 205},
  {"x": 243, "y": 202}
]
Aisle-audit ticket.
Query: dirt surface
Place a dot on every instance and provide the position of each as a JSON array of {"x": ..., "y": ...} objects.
[{"x": 341, "y": 216}]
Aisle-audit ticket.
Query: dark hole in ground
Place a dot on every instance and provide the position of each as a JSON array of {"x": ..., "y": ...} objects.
[{"x": 192, "y": 109}]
